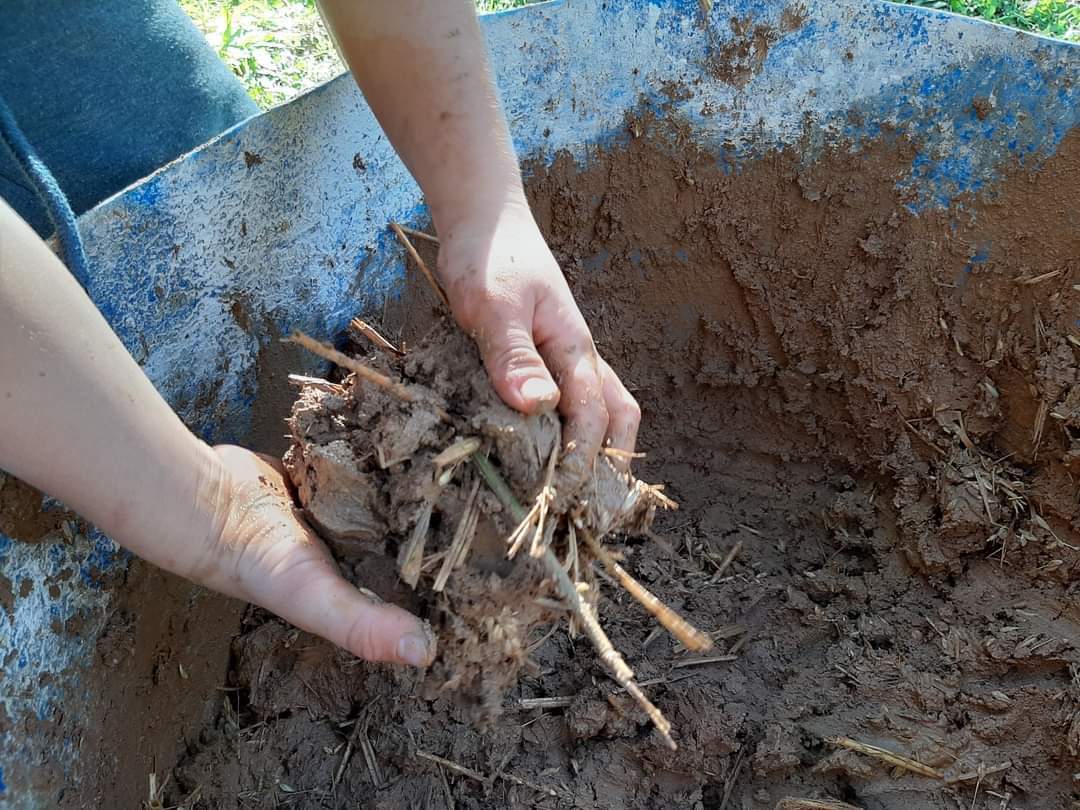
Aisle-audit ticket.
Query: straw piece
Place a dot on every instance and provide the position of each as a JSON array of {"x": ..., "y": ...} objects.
[
  {"x": 688, "y": 635},
  {"x": 400, "y": 234},
  {"x": 420, "y": 234},
  {"x": 697, "y": 662},
  {"x": 559, "y": 702},
  {"x": 896, "y": 760},
  {"x": 618, "y": 453},
  {"x": 542, "y": 539},
  {"x": 981, "y": 773},
  {"x": 729, "y": 558},
  {"x": 301, "y": 380},
  {"x": 813, "y": 804},
  {"x": 411, "y": 556},
  {"x": 1040, "y": 278},
  {"x": 463, "y": 537},
  {"x": 369, "y": 331},
  {"x": 458, "y": 451}
]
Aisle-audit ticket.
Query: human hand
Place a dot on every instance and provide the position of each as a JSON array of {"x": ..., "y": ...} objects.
[
  {"x": 221, "y": 517},
  {"x": 507, "y": 291},
  {"x": 261, "y": 551}
]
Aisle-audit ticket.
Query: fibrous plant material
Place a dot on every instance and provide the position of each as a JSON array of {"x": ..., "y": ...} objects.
[
  {"x": 371, "y": 333},
  {"x": 889, "y": 757},
  {"x": 813, "y": 804},
  {"x": 400, "y": 234},
  {"x": 383, "y": 455},
  {"x": 582, "y": 610},
  {"x": 688, "y": 635}
]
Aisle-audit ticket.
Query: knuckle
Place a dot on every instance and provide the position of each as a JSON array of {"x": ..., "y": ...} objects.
[
  {"x": 514, "y": 356},
  {"x": 360, "y": 639},
  {"x": 474, "y": 303},
  {"x": 628, "y": 410}
]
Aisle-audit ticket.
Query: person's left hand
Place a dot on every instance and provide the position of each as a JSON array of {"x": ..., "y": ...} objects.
[
  {"x": 261, "y": 551},
  {"x": 507, "y": 291}
]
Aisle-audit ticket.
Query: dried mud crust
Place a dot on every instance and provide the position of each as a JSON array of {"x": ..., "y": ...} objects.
[{"x": 877, "y": 523}]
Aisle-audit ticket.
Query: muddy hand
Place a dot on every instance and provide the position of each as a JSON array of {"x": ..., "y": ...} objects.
[
  {"x": 264, "y": 553},
  {"x": 508, "y": 292}
]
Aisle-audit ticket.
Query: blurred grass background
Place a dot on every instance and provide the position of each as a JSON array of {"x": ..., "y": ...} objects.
[
  {"x": 1053, "y": 18},
  {"x": 279, "y": 48}
]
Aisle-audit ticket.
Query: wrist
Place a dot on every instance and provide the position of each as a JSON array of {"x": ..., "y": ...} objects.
[
  {"x": 210, "y": 507},
  {"x": 479, "y": 208},
  {"x": 180, "y": 532}
]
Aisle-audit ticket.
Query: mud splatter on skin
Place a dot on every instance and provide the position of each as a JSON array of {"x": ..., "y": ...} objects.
[{"x": 836, "y": 387}]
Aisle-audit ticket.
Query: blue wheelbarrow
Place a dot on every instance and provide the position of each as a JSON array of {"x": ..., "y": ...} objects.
[{"x": 279, "y": 224}]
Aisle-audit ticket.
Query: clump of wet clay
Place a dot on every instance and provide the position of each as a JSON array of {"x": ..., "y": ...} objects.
[{"x": 418, "y": 450}]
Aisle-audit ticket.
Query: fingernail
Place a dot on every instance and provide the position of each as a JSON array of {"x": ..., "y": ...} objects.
[
  {"x": 414, "y": 649},
  {"x": 537, "y": 389}
]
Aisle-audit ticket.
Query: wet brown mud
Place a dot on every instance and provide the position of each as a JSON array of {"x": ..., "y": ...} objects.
[{"x": 875, "y": 443}]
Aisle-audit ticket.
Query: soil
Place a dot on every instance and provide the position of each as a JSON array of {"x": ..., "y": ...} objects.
[
  {"x": 844, "y": 398},
  {"x": 156, "y": 684},
  {"x": 21, "y": 515},
  {"x": 365, "y": 465}
]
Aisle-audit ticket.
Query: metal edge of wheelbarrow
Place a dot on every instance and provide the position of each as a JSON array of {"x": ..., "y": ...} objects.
[{"x": 285, "y": 214}]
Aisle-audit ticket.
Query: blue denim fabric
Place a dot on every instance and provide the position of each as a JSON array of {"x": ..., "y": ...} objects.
[{"x": 107, "y": 91}]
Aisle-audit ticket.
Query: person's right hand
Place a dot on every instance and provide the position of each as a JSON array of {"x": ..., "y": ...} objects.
[
  {"x": 507, "y": 291},
  {"x": 261, "y": 551},
  {"x": 422, "y": 67}
]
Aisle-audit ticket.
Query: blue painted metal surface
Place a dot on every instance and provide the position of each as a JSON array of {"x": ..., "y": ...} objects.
[{"x": 297, "y": 236}]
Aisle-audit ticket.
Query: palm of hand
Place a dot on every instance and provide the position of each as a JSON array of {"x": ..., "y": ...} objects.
[{"x": 264, "y": 553}]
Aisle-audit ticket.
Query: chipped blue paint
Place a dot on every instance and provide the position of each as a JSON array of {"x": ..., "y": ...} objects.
[{"x": 299, "y": 240}]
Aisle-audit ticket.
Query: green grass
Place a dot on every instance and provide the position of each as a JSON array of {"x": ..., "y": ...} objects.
[
  {"x": 1053, "y": 18},
  {"x": 279, "y": 48},
  {"x": 501, "y": 5}
]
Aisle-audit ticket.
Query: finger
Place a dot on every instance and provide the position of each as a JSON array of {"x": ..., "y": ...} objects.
[
  {"x": 624, "y": 415},
  {"x": 514, "y": 366},
  {"x": 572, "y": 358},
  {"x": 300, "y": 582},
  {"x": 327, "y": 605}
]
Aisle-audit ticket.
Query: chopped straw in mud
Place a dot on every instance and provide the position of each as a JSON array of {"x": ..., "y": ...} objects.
[
  {"x": 328, "y": 352},
  {"x": 399, "y": 232},
  {"x": 887, "y": 756},
  {"x": 605, "y": 651},
  {"x": 372, "y": 334},
  {"x": 463, "y": 537},
  {"x": 688, "y": 635},
  {"x": 479, "y": 777},
  {"x": 558, "y": 516}
]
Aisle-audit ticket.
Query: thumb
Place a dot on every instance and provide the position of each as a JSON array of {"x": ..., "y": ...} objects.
[
  {"x": 515, "y": 367},
  {"x": 328, "y": 606}
]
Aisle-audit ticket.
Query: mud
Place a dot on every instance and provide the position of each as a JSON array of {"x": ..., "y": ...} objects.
[
  {"x": 874, "y": 433},
  {"x": 365, "y": 464},
  {"x": 21, "y": 515},
  {"x": 157, "y": 682}
]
